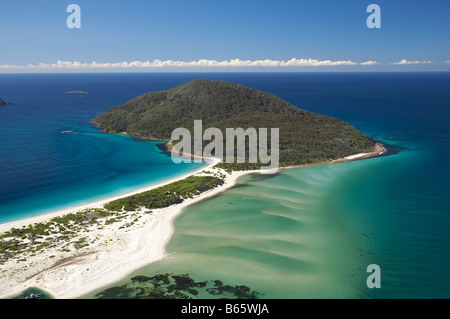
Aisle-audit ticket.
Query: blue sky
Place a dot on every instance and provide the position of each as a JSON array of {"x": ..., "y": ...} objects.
[{"x": 321, "y": 35}]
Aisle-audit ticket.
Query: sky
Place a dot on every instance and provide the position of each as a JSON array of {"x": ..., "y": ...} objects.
[{"x": 219, "y": 35}]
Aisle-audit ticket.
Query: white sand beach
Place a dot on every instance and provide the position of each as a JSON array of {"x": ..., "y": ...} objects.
[{"x": 113, "y": 251}]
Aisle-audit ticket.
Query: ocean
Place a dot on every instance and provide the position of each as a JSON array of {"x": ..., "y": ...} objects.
[
  {"x": 43, "y": 170},
  {"x": 303, "y": 233}
]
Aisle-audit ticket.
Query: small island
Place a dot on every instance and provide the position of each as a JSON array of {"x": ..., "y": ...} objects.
[
  {"x": 77, "y": 92},
  {"x": 305, "y": 137},
  {"x": 2, "y": 102}
]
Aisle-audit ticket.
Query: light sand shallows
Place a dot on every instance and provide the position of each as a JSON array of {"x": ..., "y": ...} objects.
[
  {"x": 113, "y": 251},
  {"x": 112, "y": 254}
]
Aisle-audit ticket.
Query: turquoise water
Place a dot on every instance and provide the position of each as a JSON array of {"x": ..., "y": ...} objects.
[
  {"x": 312, "y": 232},
  {"x": 107, "y": 164},
  {"x": 305, "y": 233},
  {"x": 43, "y": 170},
  {"x": 274, "y": 235}
]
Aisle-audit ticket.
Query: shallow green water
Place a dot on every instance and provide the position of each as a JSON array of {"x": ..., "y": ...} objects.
[
  {"x": 312, "y": 232},
  {"x": 283, "y": 236}
]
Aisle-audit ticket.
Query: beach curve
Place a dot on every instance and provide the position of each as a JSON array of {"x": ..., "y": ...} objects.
[{"x": 119, "y": 252}]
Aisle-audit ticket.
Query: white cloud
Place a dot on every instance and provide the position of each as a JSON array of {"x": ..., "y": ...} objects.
[
  {"x": 448, "y": 61},
  {"x": 369, "y": 63},
  {"x": 404, "y": 61},
  {"x": 294, "y": 62}
]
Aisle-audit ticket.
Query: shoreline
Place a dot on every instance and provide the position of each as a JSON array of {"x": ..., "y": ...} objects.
[
  {"x": 96, "y": 204},
  {"x": 379, "y": 150},
  {"x": 72, "y": 276}
]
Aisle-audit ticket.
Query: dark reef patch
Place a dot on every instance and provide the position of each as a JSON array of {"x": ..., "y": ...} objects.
[{"x": 170, "y": 286}]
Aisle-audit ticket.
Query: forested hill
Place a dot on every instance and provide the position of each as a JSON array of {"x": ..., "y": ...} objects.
[{"x": 305, "y": 137}]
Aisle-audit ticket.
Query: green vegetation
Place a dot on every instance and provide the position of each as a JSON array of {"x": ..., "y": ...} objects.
[
  {"x": 305, "y": 137},
  {"x": 167, "y": 195},
  {"x": 229, "y": 167},
  {"x": 170, "y": 286},
  {"x": 58, "y": 232},
  {"x": 63, "y": 232}
]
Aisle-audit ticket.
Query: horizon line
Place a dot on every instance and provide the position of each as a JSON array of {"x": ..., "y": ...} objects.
[
  {"x": 209, "y": 71},
  {"x": 201, "y": 65}
]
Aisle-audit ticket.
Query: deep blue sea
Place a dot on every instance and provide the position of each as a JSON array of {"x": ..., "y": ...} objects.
[
  {"x": 43, "y": 170},
  {"x": 397, "y": 206}
]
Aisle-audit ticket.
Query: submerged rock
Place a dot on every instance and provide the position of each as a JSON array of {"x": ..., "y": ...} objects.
[{"x": 170, "y": 286}]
